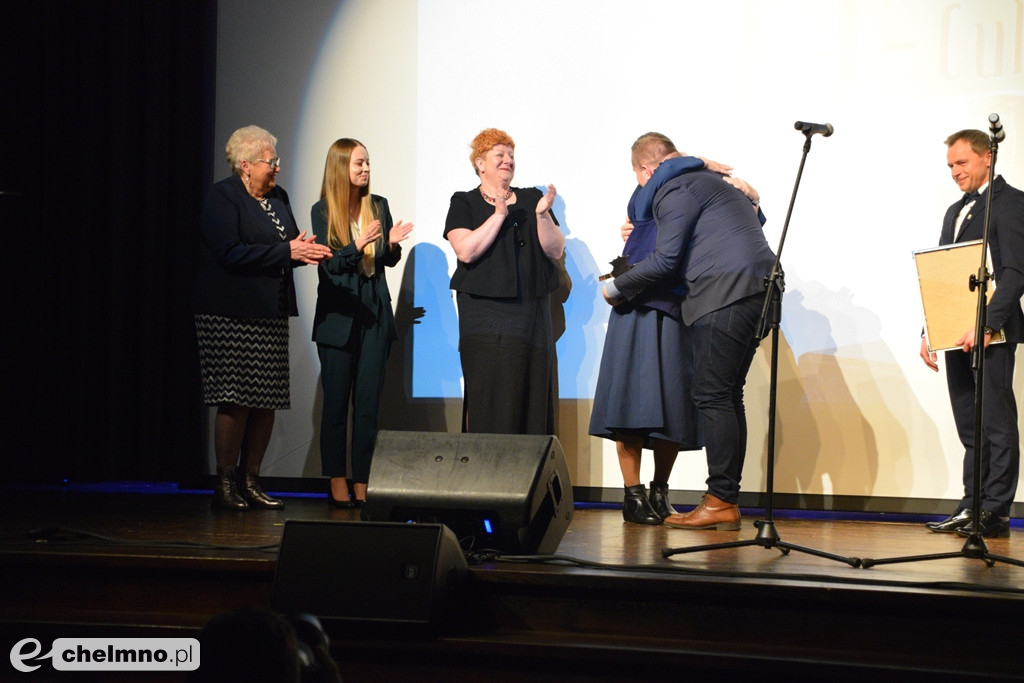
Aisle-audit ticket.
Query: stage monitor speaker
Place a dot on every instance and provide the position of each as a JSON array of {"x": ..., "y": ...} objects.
[
  {"x": 505, "y": 492},
  {"x": 368, "y": 572}
]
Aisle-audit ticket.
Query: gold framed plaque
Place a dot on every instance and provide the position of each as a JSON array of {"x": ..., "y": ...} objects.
[{"x": 950, "y": 307}]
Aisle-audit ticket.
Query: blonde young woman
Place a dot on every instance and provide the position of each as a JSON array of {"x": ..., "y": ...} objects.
[{"x": 354, "y": 324}]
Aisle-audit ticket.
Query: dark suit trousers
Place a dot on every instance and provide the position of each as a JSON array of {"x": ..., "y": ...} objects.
[
  {"x": 1000, "y": 461},
  {"x": 355, "y": 371},
  {"x": 723, "y": 348}
]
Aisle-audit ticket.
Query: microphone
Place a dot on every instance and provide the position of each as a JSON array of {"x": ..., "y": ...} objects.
[
  {"x": 996, "y": 128},
  {"x": 810, "y": 129}
]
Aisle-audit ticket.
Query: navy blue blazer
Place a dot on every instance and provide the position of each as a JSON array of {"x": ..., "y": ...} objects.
[
  {"x": 343, "y": 295},
  {"x": 243, "y": 260},
  {"x": 710, "y": 235},
  {"x": 1006, "y": 244}
]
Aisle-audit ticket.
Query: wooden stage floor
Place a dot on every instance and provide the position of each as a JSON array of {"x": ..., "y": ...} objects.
[{"x": 610, "y": 607}]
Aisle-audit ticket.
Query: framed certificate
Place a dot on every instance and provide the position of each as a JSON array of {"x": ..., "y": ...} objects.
[{"x": 950, "y": 307}]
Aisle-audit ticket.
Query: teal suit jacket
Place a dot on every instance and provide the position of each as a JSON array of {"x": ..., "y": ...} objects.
[{"x": 341, "y": 297}]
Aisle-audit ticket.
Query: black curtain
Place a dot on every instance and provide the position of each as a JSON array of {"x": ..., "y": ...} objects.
[{"x": 106, "y": 141}]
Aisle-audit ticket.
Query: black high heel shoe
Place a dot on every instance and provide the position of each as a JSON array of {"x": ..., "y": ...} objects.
[
  {"x": 350, "y": 504},
  {"x": 637, "y": 508},
  {"x": 347, "y": 503}
]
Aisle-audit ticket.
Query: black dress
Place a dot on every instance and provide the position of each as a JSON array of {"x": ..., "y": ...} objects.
[{"x": 506, "y": 343}]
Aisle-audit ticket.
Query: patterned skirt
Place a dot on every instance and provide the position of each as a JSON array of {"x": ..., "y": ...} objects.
[{"x": 244, "y": 361}]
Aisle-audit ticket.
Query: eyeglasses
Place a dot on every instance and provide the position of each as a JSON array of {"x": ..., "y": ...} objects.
[{"x": 274, "y": 163}]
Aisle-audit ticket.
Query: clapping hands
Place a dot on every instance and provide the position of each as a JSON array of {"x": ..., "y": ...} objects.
[
  {"x": 399, "y": 232},
  {"x": 306, "y": 250},
  {"x": 547, "y": 201}
]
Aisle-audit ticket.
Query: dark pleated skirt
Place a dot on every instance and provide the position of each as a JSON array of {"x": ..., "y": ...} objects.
[
  {"x": 507, "y": 350},
  {"x": 643, "y": 386},
  {"x": 244, "y": 361}
]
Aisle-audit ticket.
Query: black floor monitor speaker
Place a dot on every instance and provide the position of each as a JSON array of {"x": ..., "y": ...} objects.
[
  {"x": 504, "y": 492},
  {"x": 368, "y": 572}
]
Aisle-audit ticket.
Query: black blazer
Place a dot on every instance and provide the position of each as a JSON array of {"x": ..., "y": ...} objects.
[
  {"x": 710, "y": 236},
  {"x": 1006, "y": 243},
  {"x": 243, "y": 260},
  {"x": 343, "y": 295},
  {"x": 515, "y": 263}
]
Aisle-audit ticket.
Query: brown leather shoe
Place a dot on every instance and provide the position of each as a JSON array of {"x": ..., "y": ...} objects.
[
  {"x": 700, "y": 504},
  {"x": 711, "y": 513}
]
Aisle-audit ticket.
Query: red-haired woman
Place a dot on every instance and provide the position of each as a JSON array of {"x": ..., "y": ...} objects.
[{"x": 507, "y": 243}]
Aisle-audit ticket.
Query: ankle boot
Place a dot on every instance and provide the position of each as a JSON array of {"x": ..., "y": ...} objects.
[
  {"x": 225, "y": 492},
  {"x": 637, "y": 508},
  {"x": 659, "y": 499},
  {"x": 254, "y": 494}
]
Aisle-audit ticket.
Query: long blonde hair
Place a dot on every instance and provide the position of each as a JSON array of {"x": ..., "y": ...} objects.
[{"x": 337, "y": 189}]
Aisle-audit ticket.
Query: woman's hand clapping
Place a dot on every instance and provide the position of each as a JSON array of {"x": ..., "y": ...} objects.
[
  {"x": 399, "y": 232},
  {"x": 371, "y": 233},
  {"x": 306, "y": 250},
  {"x": 546, "y": 202}
]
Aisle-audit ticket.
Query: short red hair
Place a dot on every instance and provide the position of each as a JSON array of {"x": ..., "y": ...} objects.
[{"x": 485, "y": 141}]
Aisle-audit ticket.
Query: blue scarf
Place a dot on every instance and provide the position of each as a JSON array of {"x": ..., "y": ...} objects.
[
  {"x": 640, "y": 243},
  {"x": 643, "y": 206}
]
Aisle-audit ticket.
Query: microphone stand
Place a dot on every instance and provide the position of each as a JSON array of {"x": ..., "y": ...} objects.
[
  {"x": 767, "y": 535},
  {"x": 974, "y": 547}
]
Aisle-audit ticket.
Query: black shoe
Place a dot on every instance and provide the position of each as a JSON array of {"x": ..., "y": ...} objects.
[
  {"x": 990, "y": 525},
  {"x": 254, "y": 494},
  {"x": 637, "y": 508},
  {"x": 350, "y": 504},
  {"x": 659, "y": 500},
  {"x": 961, "y": 517},
  {"x": 225, "y": 493}
]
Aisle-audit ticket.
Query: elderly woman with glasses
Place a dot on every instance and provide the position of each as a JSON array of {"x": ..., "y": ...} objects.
[
  {"x": 507, "y": 244},
  {"x": 243, "y": 298}
]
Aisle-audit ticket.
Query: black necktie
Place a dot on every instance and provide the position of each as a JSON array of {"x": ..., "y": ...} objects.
[{"x": 970, "y": 197}]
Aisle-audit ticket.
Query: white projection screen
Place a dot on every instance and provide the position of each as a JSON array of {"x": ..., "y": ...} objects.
[{"x": 575, "y": 82}]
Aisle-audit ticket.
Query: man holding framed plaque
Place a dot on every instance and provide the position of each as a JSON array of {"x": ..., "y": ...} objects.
[{"x": 969, "y": 157}]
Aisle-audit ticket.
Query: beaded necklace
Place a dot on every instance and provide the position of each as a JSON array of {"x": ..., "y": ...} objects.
[{"x": 492, "y": 200}]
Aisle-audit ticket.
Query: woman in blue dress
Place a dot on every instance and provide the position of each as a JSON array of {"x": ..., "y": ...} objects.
[{"x": 642, "y": 398}]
